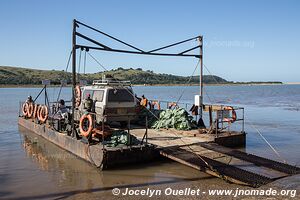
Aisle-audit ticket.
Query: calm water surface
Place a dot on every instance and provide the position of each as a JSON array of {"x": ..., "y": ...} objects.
[{"x": 32, "y": 168}]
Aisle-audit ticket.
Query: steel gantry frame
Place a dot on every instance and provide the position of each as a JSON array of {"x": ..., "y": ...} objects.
[{"x": 134, "y": 50}]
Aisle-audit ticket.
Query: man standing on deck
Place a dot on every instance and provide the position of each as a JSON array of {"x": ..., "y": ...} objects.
[
  {"x": 29, "y": 99},
  {"x": 144, "y": 101},
  {"x": 88, "y": 103},
  {"x": 62, "y": 107}
]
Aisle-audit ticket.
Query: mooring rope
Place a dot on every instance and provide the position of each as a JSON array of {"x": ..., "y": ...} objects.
[
  {"x": 69, "y": 59},
  {"x": 189, "y": 80},
  {"x": 66, "y": 71},
  {"x": 276, "y": 152},
  {"x": 97, "y": 61},
  {"x": 252, "y": 125}
]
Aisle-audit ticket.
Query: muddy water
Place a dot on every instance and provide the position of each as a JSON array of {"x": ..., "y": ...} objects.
[{"x": 32, "y": 168}]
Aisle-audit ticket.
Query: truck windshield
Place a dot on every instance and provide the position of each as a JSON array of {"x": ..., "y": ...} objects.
[{"x": 120, "y": 95}]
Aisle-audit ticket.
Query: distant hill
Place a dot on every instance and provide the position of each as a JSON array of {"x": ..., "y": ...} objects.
[{"x": 20, "y": 76}]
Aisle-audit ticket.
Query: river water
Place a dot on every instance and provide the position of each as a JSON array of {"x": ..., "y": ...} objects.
[{"x": 32, "y": 168}]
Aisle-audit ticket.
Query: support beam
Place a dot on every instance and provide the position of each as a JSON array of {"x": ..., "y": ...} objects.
[
  {"x": 182, "y": 53},
  {"x": 201, "y": 74},
  {"x": 136, "y": 52},
  {"x": 73, "y": 75},
  {"x": 171, "y": 45},
  {"x": 107, "y": 35},
  {"x": 91, "y": 40}
]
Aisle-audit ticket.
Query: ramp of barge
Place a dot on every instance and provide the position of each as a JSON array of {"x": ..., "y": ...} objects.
[{"x": 201, "y": 152}]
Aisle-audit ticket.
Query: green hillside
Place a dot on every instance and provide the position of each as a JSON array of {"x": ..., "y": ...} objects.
[{"x": 20, "y": 76}]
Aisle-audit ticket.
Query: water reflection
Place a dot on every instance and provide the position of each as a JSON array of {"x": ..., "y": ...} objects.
[
  {"x": 77, "y": 176},
  {"x": 69, "y": 169}
]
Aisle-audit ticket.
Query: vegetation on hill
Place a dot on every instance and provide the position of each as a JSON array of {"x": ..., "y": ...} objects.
[
  {"x": 18, "y": 76},
  {"x": 258, "y": 82}
]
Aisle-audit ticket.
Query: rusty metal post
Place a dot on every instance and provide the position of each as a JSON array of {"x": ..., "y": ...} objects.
[
  {"x": 103, "y": 127},
  {"x": 210, "y": 116},
  {"x": 201, "y": 74},
  {"x": 243, "y": 125},
  {"x": 73, "y": 75},
  {"x": 47, "y": 103},
  {"x": 45, "y": 94},
  {"x": 217, "y": 124},
  {"x": 222, "y": 109}
]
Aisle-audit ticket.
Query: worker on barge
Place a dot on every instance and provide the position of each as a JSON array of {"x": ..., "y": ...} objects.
[
  {"x": 144, "y": 101},
  {"x": 29, "y": 99},
  {"x": 88, "y": 103},
  {"x": 62, "y": 107}
]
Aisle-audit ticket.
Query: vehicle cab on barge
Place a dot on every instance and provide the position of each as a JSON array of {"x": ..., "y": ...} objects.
[{"x": 113, "y": 101}]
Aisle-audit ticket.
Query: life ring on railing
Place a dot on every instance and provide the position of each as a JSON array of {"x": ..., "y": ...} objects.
[
  {"x": 172, "y": 105},
  {"x": 25, "y": 109},
  {"x": 30, "y": 110},
  {"x": 38, "y": 111},
  {"x": 77, "y": 96},
  {"x": 43, "y": 113},
  {"x": 233, "y": 115},
  {"x": 35, "y": 111},
  {"x": 86, "y": 125},
  {"x": 155, "y": 103}
]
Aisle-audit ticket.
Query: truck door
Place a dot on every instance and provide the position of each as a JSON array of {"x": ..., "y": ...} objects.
[{"x": 99, "y": 103}]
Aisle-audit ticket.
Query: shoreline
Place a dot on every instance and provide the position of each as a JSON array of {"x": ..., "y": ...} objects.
[{"x": 222, "y": 84}]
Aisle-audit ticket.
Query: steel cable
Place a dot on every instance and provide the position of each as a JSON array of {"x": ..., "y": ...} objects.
[
  {"x": 66, "y": 71},
  {"x": 252, "y": 125},
  {"x": 190, "y": 78}
]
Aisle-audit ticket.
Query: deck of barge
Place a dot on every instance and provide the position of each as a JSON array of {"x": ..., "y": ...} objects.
[{"x": 201, "y": 152}]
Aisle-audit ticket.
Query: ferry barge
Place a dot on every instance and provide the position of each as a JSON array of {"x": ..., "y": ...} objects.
[{"x": 102, "y": 124}]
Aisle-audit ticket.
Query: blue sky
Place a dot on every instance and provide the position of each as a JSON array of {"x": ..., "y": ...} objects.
[{"x": 244, "y": 40}]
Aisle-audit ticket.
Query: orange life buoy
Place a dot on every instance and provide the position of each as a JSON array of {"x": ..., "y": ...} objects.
[
  {"x": 30, "y": 110},
  {"x": 25, "y": 109},
  {"x": 35, "y": 110},
  {"x": 155, "y": 103},
  {"x": 38, "y": 111},
  {"x": 43, "y": 114},
  {"x": 172, "y": 105},
  {"x": 233, "y": 115},
  {"x": 77, "y": 96},
  {"x": 86, "y": 119}
]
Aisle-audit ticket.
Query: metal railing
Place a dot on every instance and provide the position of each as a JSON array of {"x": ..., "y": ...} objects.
[
  {"x": 218, "y": 124},
  {"x": 111, "y": 82},
  {"x": 218, "y": 120},
  {"x": 166, "y": 104}
]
